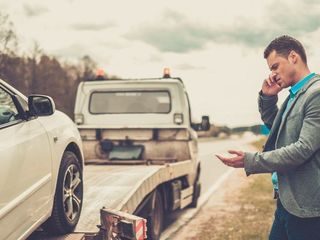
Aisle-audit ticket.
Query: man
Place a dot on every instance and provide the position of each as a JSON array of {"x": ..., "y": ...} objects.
[{"x": 292, "y": 151}]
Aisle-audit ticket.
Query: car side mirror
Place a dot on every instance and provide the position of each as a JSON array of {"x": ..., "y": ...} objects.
[
  {"x": 41, "y": 105},
  {"x": 205, "y": 123}
]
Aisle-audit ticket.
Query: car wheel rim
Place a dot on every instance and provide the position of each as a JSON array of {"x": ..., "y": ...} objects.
[{"x": 72, "y": 193}]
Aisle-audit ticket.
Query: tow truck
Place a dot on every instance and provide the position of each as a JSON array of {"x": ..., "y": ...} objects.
[{"x": 140, "y": 151}]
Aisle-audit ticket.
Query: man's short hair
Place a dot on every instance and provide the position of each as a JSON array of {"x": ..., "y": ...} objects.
[{"x": 283, "y": 45}]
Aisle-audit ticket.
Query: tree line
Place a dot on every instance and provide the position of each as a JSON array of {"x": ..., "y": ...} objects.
[{"x": 38, "y": 72}]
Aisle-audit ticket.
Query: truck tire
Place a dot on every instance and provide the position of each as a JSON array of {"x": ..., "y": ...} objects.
[
  {"x": 196, "y": 194},
  {"x": 68, "y": 197},
  {"x": 196, "y": 190},
  {"x": 155, "y": 219}
]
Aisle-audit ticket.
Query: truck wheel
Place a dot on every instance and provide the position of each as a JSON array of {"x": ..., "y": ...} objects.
[
  {"x": 155, "y": 219},
  {"x": 196, "y": 191},
  {"x": 196, "y": 194},
  {"x": 68, "y": 197}
]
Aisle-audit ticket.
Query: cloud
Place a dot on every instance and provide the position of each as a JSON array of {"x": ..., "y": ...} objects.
[
  {"x": 296, "y": 19},
  {"x": 187, "y": 66},
  {"x": 173, "y": 15},
  {"x": 308, "y": 2},
  {"x": 34, "y": 10},
  {"x": 92, "y": 26},
  {"x": 175, "y": 33},
  {"x": 155, "y": 58},
  {"x": 73, "y": 51}
]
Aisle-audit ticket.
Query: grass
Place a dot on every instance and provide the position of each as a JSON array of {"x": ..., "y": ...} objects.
[{"x": 249, "y": 212}]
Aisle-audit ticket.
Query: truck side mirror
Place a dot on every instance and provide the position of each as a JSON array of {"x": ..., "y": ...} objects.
[
  {"x": 205, "y": 123},
  {"x": 41, "y": 105}
]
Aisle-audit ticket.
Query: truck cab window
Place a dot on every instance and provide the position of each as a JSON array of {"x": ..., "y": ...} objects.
[{"x": 127, "y": 102}]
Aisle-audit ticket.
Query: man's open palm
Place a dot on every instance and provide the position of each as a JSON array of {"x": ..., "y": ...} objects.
[{"x": 236, "y": 162}]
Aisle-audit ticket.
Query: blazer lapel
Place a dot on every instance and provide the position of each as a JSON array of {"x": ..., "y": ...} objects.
[{"x": 283, "y": 118}]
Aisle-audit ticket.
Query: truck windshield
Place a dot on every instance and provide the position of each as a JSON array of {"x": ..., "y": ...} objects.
[{"x": 130, "y": 102}]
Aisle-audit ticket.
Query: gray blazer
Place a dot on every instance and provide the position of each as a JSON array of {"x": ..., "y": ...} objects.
[{"x": 292, "y": 149}]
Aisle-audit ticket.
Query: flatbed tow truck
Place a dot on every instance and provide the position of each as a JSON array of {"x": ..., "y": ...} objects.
[{"x": 140, "y": 149}]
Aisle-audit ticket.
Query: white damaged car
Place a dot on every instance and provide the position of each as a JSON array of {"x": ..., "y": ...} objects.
[{"x": 41, "y": 164}]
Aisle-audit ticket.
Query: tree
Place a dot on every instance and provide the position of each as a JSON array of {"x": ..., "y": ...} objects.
[
  {"x": 35, "y": 58},
  {"x": 8, "y": 38},
  {"x": 8, "y": 43},
  {"x": 87, "y": 67}
]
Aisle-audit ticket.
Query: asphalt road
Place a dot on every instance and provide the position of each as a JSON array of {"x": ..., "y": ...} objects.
[{"x": 212, "y": 172}]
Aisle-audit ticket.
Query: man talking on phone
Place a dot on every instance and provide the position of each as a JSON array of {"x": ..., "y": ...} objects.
[{"x": 292, "y": 151}]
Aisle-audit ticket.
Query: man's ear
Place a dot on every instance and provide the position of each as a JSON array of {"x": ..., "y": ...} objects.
[{"x": 293, "y": 57}]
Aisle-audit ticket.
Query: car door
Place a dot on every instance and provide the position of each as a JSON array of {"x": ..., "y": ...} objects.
[{"x": 25, "y": 169}]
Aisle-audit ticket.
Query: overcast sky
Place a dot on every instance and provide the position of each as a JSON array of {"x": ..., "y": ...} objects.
[{"x": 216, "y": 47}]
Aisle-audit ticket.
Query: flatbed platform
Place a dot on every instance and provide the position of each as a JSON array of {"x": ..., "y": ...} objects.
[{"x": 122, "y": 188}]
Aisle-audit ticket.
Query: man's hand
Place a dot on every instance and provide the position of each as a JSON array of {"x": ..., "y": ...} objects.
[
  {"x": 270, "y": 86},
  {"x": 236, "y": 162}
]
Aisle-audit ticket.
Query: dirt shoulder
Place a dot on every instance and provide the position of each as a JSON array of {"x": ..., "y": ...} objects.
[{"x": 242, "y": 208}]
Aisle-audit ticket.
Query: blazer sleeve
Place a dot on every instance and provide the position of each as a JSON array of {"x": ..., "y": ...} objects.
[
  {"x": 295, "y": 154},
  {"x": 268, "y": 108}
]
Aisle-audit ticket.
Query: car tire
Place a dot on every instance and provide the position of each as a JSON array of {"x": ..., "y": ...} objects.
[
  {"x": 68, "y": 197},
  {"x": 155, "y": 219}
]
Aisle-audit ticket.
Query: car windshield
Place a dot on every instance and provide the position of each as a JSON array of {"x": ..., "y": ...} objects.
[{"x": 130, "y": 102}]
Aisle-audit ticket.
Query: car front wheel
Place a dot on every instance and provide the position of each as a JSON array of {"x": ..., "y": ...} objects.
[{"x": 68, "y": 197}]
